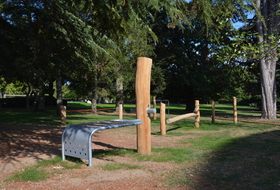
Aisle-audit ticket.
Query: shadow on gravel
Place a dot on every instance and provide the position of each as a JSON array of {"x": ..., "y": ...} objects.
[{"x": 20, "y": 141}]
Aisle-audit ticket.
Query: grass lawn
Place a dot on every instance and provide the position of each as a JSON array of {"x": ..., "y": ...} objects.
[{"x": 220, "y": 155}]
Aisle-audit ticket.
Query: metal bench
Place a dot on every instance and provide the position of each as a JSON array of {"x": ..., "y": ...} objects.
[{"x": 77, "y": 138}]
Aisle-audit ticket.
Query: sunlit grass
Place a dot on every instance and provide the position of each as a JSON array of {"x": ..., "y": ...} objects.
[
  {"x": 40, "y": 170},
  {"x": 119, "y": 166}
]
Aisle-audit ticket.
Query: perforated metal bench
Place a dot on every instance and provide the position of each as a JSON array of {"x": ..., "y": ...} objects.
[{"x": 77, "y": 138}]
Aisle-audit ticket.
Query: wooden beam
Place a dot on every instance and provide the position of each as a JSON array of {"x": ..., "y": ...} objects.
[
  {"x": 63, "y": 114},
  {"x": 234, "y": 110},
  {"x": 162, "y": 119},
  {"x": 155, "y": 106},
  {"x": 180, "y": 117},
  {"x": 197, "y": 112},
  {"x": 120, "y": 111},
  {"x": 213, "y": 112},
  {"x": 142, "y": 90}
]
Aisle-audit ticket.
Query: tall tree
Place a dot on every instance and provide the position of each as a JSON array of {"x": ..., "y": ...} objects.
[
  {"x": 258, "y": 40},
  {"x": 268, "y": 31},
  {"x": 187, "y": 55}
]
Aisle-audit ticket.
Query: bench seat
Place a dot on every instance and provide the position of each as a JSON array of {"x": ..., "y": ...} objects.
[{"x": 77, "y": 138}]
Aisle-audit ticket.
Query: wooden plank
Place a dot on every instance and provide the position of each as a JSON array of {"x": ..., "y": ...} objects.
[{"x": 180, "y": 117}]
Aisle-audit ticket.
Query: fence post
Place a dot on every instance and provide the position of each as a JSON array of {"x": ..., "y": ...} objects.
[
  {"x": 120, "y": 111},
  {"x": 234, "y": 110},
  {"x": 197, "y": 117},
  {"x": 142, "y": 91},
  {"x": 162, "y": 119},
  {"x": 213, "y": 112},
  {"x": 155, "y": 106},
  {"x": 63, "y": 114}
]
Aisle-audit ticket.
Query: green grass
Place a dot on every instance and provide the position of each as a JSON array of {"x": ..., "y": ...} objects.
[
  {"x": 39, "y": 171},
  {"x": 115, "y": 152},
  {"x": 119, "y": 166},
  {"x": 220, "y": 155},
  {"x": 175, "y": 155},
  {"x": 231, "y": 157},
  {"x": 30, "y": 174},
  {"x": 20, "y": 116},
  {"x": 49, "y": 117}
]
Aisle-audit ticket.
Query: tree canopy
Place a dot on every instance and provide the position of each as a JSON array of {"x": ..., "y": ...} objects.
[{"x": 91, "y": 45}]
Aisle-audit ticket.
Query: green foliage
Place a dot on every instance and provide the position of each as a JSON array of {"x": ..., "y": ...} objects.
[
  {"x": 188, "y": 59},
  {"x": 195, "y": 50},
  {"x": 3, "y": 85},
  {"x": 15, "y": 88},
  {"x": 14, "y": 102},
  {"x": 244, "y": 46}
]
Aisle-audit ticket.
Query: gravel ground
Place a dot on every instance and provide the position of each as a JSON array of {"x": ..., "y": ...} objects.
[{"x": 26, "y": 145}]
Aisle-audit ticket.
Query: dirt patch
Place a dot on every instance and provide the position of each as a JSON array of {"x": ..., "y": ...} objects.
[{"x": 26, "y": 145}]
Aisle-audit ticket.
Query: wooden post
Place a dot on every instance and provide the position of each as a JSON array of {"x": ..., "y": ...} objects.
[
  {"x": 155, "y": 106},
  {"x": 162, "y": 119},
  {"x": 197, "y": 117},
  {"x": 63, "y": 114},
  {"x": 120, "y": 111},
  {"x": 142, "y": 91},
  {"x": 234, "y": 110},
  {"x": 213, "y": 112}
]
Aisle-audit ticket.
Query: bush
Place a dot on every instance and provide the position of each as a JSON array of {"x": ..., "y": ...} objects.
[
  {"x": 16, "y": 102},
  {"x": 20, "y": 102}
]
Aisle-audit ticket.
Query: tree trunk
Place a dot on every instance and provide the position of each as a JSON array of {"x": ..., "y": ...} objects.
[
  {"x": 268, "y": 87},
  {"x": 28, "y": 95},
  {"x": 59, "y": 101},
  {"x": 119, "y": 89},
  {"x": 50, "y": 94},
  {"x": 268, "y": 26},
  {"x": 94, "y": 92},
  {"x": 40, "y": 101},
  {"x": 190, "y": 101}
]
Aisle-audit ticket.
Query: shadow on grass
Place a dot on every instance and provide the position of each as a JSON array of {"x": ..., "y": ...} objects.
[
  {"x": 99, "y": 153},
  {"x": 102, "y": 153},
  {"x": 21, "y": 117},
  {"x": 246, "y": 163},
  {"x": 168, "y": 130}
]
